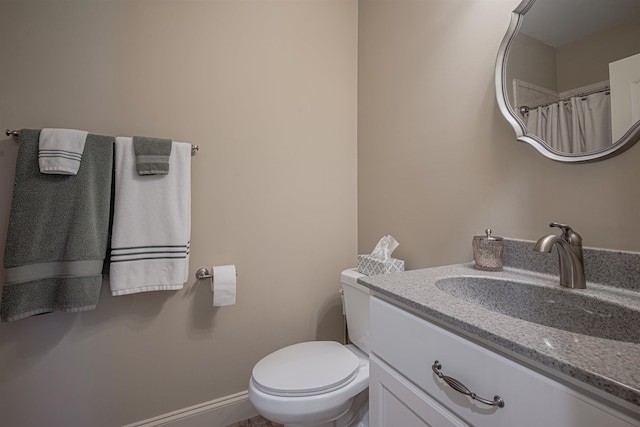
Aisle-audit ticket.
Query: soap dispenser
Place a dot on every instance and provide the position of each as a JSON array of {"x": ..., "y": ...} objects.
[{"x": 488, "y": 252}]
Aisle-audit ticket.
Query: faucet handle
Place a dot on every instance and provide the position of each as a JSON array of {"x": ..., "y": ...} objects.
[{"x": 568, "y": 234}]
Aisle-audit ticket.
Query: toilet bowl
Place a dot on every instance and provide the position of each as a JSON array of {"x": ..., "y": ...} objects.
[{"x": 319, "y": 383}]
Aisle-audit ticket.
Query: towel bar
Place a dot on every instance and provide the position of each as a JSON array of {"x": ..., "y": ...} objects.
[{"x": 16, "y": 133}]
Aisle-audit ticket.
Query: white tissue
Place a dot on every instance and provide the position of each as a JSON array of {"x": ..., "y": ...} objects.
[
  {"x": 223, "y": 285},
  {"x": 385, "y": 247}
]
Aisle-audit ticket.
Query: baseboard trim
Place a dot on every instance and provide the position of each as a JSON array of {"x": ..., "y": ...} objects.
[{"x": 215, "y": 413}]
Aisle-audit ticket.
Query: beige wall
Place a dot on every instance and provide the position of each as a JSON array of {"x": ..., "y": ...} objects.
[
  {"x": 438, "y": 164},
  {"x": 267, "y": 89},
  {"x": 531, "y": 61},
  {"x": 586, "y": 61}
]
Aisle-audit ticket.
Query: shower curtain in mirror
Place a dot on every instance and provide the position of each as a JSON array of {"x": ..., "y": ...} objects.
[{"x": 579, "y": 124}]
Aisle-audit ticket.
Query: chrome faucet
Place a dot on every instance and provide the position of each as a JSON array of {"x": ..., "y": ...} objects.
[{"x": 569, "y": 246}]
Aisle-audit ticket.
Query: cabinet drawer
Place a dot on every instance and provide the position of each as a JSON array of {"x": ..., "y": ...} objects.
[
  {"x": 410, "y": 345},
  {"x": 395, "y": 401}
]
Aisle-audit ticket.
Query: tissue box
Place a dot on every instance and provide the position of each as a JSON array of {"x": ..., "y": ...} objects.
[{"x": 370, "y": 266}]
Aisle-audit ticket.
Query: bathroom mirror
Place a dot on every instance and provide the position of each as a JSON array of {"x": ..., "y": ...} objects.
[{"x": 568, "y": 77}]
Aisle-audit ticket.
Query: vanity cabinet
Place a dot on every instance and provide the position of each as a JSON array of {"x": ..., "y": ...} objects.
[{"x": 406, "y": 391}]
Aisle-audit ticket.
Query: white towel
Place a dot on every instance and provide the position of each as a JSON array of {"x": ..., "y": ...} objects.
[
  {"x": 151, "y": 223},
  {"x": 60, "y": 150}
]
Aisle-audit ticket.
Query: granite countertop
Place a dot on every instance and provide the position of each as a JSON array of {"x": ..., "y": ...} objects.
[{"x": 609, "y": 365}]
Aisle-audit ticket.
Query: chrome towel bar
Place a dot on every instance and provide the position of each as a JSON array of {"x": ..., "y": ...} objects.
[{"x": 16, "y": 133}]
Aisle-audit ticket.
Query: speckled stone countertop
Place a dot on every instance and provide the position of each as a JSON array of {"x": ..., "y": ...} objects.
[{"x": 612, "y": 366}]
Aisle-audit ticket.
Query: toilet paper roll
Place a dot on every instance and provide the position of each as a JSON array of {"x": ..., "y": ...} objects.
[{"x": 224, "y": 285}]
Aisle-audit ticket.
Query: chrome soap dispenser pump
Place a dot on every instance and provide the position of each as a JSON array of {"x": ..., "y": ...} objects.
[{"x": 488, "y": 252}]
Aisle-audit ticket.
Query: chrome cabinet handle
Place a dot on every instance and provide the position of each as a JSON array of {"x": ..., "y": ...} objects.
[{"x": 460, "y": 388}]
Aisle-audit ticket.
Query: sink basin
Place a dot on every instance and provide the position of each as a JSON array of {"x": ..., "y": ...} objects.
[{"x": 559, "y": 308}]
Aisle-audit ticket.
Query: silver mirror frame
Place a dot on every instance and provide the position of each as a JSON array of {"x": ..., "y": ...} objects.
[{"x": 628, "y": 139}]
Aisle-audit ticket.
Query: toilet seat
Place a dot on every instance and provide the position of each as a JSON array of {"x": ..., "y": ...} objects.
[{"x": 306, "y": 369}]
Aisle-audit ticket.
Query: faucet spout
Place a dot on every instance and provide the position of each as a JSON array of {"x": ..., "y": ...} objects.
[
  {"x": 569, "y": 247},
  {"x": 545, "y": 243}
]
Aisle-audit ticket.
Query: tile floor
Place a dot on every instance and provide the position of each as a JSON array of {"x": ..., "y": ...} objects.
[{"x": 255, "y": 422}]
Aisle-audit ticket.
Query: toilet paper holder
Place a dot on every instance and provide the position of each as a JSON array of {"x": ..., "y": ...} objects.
[{"x": 203, "y": 273}]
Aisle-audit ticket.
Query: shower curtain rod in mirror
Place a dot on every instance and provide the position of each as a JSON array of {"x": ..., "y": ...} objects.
[{"x": 525, "y": 108}]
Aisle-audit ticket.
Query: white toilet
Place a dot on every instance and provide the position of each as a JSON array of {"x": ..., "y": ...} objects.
[{"x": 320, "y": 383}]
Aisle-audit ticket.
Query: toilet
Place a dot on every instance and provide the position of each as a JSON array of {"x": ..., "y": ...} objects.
[{"x": 320, "y": 383}]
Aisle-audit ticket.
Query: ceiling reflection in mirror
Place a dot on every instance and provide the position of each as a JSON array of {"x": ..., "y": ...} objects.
[{"x": 568, "y": 77}]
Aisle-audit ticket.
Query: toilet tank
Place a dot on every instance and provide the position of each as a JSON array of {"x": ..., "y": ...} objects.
[{"x": 356, "y": 306}]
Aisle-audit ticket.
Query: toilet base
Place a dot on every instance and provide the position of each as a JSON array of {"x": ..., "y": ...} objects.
[{"x": 356, "y": 416}]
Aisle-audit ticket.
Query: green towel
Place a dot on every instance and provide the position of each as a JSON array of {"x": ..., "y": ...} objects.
[
  {"x": 58, "y": 232},
  {"x": 152, "y": 155}
]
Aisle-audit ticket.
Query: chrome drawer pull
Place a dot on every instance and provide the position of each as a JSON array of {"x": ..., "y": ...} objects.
[{"x": 459, "y": 387}]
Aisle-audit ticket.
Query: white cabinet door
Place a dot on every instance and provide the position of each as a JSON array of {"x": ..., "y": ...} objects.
[
  {"x": 410, "y": 345},
  {"x": 395, "y": 402}
]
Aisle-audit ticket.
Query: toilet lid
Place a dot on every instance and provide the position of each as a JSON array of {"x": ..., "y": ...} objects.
[{"x": 306, "y": 369}]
